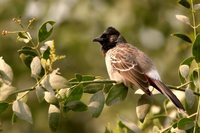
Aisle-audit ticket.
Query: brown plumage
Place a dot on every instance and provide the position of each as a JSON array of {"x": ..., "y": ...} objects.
[{"x": 125, "y": 63}]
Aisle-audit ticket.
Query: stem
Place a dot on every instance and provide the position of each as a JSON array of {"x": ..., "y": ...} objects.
[
  {"x": 180, "y": 88},
  {"x": 91, "y": 82},
  {"x": 165, "y": 129},
  {"x": 23, "y": 90},
  {"x": 193, "y": 18}
]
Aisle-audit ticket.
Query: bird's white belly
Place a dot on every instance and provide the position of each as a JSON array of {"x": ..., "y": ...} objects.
[{"x": 113, "y": 73}]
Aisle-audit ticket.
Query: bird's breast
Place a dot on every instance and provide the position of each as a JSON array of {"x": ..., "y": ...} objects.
[{"x": 112, "y": 72}]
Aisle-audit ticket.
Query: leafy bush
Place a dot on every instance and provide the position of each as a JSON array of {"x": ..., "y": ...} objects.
[{"x": 64, "y": 95}]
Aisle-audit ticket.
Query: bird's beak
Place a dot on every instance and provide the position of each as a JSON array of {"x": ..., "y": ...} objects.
[{"x": 98, "y": 39}]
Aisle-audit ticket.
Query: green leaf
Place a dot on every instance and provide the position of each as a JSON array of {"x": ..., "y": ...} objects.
[
  {"x": 183, "y": 37},
  {"x": 188, "y": 62},
  {"x": 107, "y": 87},
  {"x": 54, "y": 117},
  {"x": 45, "y": 30},
  {"x": 195, "y": 78},
  {"x": 76, "y": 106},
  {"x": 108, "y": 130},
  {"x": 196, "y": 49},
  {"x": 76, "y": 93},
  {"x": 88, "y": 77},
  {"x": 78, "y": 77},
  {"x": 24, "y": 37},
  {"x": 117, "y": 93},
  {"x": 184, "y": 3},
  {"x": 3, "y": 107},
  {"x": 96, "y": 104},
  {"x": 93, "y": 88},
  {"x": 22, "y": 111},
  {"x": 26, "y": 55},
  {"x": 45, "y": 50},
  {"x": 189, "y": 97},
  {"x": 130, "y": 126},
  {"x": 185, "y": 124},
  {"x": 143, "y": 107}
]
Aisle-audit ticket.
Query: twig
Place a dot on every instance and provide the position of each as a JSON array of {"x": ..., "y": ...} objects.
[
  {"x": 94, "y": 81},
  {"x": 167, "y": 128},
  {"x": 180, "y": 88}
]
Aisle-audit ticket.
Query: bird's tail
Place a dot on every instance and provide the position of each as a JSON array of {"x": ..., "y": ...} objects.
[{"x": 167, "y": 92}]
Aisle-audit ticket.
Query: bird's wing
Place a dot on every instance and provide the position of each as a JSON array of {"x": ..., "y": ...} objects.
[{"x": 123, "y": 60}]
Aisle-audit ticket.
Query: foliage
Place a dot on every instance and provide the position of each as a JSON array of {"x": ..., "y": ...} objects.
[{"x": 65, "y": 95}]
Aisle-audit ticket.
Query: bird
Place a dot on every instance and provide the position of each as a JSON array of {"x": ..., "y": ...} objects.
[{"x": 128, "y": 65}]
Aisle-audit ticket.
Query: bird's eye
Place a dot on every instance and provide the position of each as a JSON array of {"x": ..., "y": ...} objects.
[{"x": 113, "y": 38}]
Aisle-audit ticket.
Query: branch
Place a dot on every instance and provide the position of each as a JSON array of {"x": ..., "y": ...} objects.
[
  {"x": 167, "y": 128},
  {"x": 180, "y": 88},
  {"x": 23, "y": 90},
  {"x": 95, "y": 81}
]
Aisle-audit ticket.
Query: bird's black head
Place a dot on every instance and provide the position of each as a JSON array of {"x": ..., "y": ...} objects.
[{"x": 109, "y": 38}]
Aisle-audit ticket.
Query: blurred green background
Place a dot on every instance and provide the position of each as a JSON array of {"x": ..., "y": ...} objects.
[{"x": 145, "y": 23}]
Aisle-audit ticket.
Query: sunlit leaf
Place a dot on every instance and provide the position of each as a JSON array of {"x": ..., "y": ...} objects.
[
  {"x": 63, "y": 93},
  {"x": 39, "y": 93},
  {"x": 130, "y": 126},
  {"x": 22, "y": 111},
  {"x": 185, "y": 123},
  {"x": 188, "y": 62},
  {"x": 76, "y": 93},
  {"x": 54, "y": 117},
  {"x": 57, "y": 81},
  {"x": 76, "y": 106},
  {"x": 196, "y": 49},
  {"x": 197, "y": 7},
  {"x": 117, "y": 93},
  {"x": 143, "y": 107},
  {"x": 96, "y": 104},
  {"x": 6, "y": 91},
  {"x": 46, "y": 84},
  {"x": 35, "y": 67},
  {"x": 45, "y": 30},
  {"x": 189, "y": 97},
  {"x": 24, "y": 37},
  {"x": 6, "y": 73},
  {"x": 183, "y": 19},
  {"x": 184, "y": 3},
  {"x": 3, "y": 106},
  {"x": 183, "y": 37},
  {"x": 184, "y": 70},
  {"x": 50, "y": 98}
]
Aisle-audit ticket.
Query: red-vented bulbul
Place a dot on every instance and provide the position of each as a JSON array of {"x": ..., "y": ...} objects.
[{"x": 125, "y": 63}]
